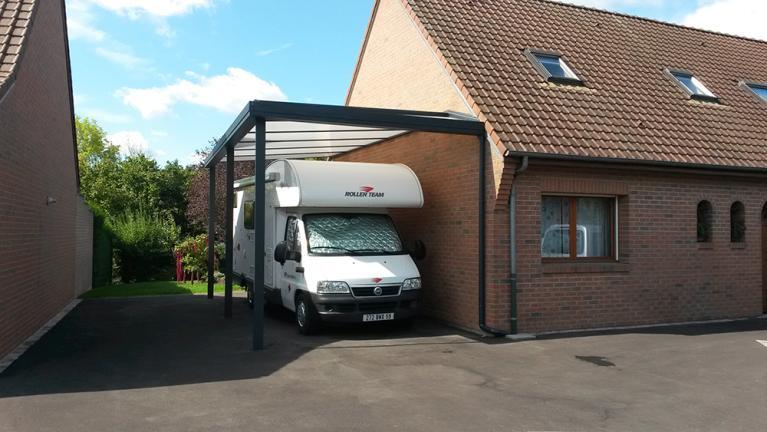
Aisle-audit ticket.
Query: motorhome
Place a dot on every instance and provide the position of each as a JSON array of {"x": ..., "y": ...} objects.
[{"x": 332, "y": 252}]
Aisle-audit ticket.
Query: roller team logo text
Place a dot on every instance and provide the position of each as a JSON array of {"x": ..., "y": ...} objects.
[{"x": 365, "y": 192}]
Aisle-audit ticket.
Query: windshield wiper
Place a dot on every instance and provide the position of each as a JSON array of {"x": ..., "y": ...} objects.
[
  {"x": 385, "y": 252},
  {"x": 355, "y": 251}
]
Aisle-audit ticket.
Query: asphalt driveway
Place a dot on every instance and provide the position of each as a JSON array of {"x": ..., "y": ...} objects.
[{"x": 174, "y": 364}]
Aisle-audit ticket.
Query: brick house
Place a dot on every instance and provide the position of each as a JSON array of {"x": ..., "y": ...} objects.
[
  {"x": 45, "y": 227},
  {"x": 628, "y": 161}
]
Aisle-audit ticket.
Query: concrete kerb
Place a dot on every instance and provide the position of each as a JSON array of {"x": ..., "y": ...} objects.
[{"x": 24, "y": 346}]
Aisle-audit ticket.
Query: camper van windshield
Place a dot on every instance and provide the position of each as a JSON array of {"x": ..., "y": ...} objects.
[{"x": 351, "y": 234}]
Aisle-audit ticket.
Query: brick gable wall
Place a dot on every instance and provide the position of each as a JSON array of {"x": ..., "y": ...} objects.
[{"x": 37, "y": 161}]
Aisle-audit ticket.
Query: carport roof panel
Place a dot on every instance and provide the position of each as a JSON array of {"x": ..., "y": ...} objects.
[
  {"x": 291, "y": 139},
  {"x": 295, "y": 130}
]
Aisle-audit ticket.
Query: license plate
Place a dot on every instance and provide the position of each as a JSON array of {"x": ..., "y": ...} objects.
[{"x": 378, "y": 317}]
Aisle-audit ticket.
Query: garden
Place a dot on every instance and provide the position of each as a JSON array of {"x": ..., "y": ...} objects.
[{"x": 150, "y": 221}]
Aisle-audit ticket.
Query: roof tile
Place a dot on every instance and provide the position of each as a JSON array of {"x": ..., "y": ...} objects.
[
  {"x": 15, "y": 18},
  {"x": 628, "y": 108}
]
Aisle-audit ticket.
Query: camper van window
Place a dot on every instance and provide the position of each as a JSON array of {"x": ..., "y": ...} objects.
[
  {"x": 352, "y": 234},
  {"x": 247, "y": 211},
  {"x": 291, "y": 234}
]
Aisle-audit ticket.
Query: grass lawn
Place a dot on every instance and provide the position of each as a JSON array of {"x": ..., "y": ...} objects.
[{"x": 150, "y": 288}]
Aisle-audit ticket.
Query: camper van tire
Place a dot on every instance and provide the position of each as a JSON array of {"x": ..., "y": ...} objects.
[{"x": 307, "y": 318}]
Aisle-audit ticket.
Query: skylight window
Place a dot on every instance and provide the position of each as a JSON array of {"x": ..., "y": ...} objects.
[
  {"x": 693, "y": 86},
  {"x": 553, "y": 67},
  {"x": 760, "y": 90}
]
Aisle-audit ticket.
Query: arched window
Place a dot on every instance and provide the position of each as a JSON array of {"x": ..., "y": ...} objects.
[
  {"x": 705, "y": 222},
  {"x": 737, "y": 222}
]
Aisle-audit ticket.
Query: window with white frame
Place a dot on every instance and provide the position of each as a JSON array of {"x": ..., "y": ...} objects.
[{"x": 578, "y": 227}]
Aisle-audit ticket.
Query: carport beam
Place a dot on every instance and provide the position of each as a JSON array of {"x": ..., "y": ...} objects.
[
  {"x": 260, "y": 246},
  {"x": 211, "y": 228},
  {"x": 228, "y": 216}
]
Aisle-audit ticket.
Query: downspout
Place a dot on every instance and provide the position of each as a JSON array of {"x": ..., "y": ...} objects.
[
  {"x": 513, "y": 244},
  {"x": 481, "y": 241}
]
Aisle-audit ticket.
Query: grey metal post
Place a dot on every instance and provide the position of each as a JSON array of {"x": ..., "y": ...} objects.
[
  {"x": 211, "y": 228},
  {"x": 259, "y": 213},
  {"x": 229, "y": 216}
]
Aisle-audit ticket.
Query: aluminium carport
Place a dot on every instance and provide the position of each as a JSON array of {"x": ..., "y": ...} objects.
[{"x": 283, "y": 130}]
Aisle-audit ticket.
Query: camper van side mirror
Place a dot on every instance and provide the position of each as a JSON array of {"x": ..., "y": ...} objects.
[
  {"x": 294, "y": 256},
  {"x": 281, "y": 252},
  {"x": 417, "y": 250}
]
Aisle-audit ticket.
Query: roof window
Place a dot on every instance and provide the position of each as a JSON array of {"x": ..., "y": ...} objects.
[
  {"x": 553, "y": 67},
  {"x": 693, "y": 86},
  {"x": 760, "y": 90}
]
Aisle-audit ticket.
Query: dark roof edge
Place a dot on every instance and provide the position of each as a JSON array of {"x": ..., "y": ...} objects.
[
  {"x": 656, "y": 21},
  {"x": 642, "y": 162},
  {"x": 65, "y": 30}
]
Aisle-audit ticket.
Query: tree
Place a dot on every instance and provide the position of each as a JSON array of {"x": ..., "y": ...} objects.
[
  {"x": 99, "y": 163},
  {"x": 197, "y": 196},
  {"x": 131, "y": 184},
  {"x": 174, "y": 181}
]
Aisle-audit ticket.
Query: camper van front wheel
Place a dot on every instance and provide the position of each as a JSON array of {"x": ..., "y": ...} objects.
[{"x": 306, "y": 317}]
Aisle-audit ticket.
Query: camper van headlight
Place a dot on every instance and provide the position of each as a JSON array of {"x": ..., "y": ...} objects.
[
  {"x": 332, "y": 287},
  {"x": 411, "y": 284}
]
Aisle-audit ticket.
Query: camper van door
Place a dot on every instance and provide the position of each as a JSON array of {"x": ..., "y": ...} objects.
[
  {"x": 289, "y": 280},
  {"x": 269, "y": 228}
]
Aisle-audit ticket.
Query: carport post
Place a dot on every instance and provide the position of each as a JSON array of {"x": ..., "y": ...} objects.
[
  {"x": 228, "y": 216},
  {"x": 211, "y": 227},
  {"x": 259, "y": 207}
]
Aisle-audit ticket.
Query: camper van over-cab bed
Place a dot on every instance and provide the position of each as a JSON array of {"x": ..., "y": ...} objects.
[{"x": 332, "y": 253}]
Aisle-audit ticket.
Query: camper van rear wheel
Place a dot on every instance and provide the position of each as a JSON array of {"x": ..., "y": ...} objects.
[{"x": 306, "y": 317}]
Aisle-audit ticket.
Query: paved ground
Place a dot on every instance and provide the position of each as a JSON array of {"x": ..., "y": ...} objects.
[{"x": 174, "y": 364}]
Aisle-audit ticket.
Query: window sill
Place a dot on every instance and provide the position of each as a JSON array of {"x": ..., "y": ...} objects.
[
  {"x": 585, "y": 267},
  {"x": 706, "y": 246},
  {"x": 738, "y": 245}
]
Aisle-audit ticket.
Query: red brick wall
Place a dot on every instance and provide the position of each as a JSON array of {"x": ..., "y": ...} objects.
[
  {"x": 37, "y": 160},
  {"x": 447, "y": 224},
  {"x": 664, "y": 275}
]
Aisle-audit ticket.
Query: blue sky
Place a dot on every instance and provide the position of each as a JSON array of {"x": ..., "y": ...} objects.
[{"x": 165, "y": 76}]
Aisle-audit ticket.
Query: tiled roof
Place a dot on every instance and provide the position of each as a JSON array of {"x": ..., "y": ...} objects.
[
  {"x": 15, "y": 19},
  {"x": 629, "y": 109}
]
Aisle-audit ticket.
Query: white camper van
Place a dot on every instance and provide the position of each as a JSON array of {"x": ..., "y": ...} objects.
[{"x": 332, "y": 253}]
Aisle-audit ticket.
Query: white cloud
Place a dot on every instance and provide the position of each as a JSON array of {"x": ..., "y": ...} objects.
[
  {"x": 130, "y": 142},
  {"x": 106, "y": 116},
  {"x": 81, "y": 17},
  {"x": 121, "y": 57},
  {"x": 738, "y": 17},
  {"x": 158, "y": 8},
  {"x": 270, "y": 51},
  {"x": 80, "y": 22},
  {"x": 227, "y": 93},
  {"x": 194, "y": 159}
]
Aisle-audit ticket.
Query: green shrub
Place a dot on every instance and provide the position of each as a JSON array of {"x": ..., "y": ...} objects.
[{"x": 144, "y": 245}]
